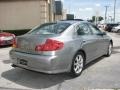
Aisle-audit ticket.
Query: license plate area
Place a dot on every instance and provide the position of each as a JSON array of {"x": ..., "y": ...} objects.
[
  {"x": 23, "y": 62},
  {"x": 8, "y": 42}
]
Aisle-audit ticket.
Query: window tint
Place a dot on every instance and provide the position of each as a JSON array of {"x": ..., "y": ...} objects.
[
  {"x": 83, "y": 29},
  {"x": 50, "y": 28},
  {"x": 94, "y": 29}
]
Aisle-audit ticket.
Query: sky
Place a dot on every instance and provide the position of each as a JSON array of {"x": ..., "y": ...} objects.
[{"x": 85, "y": 9}]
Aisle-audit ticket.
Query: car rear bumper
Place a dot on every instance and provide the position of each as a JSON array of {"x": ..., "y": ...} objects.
[{"x": 40, "y": 63}]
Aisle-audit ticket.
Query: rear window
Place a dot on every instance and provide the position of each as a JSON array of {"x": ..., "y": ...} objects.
[{"x": 50, "y": 28}]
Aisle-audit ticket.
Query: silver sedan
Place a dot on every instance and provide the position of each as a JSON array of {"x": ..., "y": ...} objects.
[{"x": 63, "y": 46}]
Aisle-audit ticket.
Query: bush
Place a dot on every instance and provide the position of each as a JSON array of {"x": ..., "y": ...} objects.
[{"x": 17, "y": 32}]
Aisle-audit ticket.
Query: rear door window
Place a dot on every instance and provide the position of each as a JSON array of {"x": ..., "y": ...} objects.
[{"x": 83, "y": 29}]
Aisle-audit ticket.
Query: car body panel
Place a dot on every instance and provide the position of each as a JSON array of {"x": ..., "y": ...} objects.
[{"x": 115, "y": 29}]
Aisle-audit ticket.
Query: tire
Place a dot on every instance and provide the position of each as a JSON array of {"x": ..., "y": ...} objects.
[
  {"x": 77, "y": 64},
  {"x": 109, "y": 51},
  {"x": 118, "y": 31}
]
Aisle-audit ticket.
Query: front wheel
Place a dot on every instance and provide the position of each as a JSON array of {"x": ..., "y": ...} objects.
[
  {"x": 109, "y": 51},
  {"x": 77, "y": 64},
  {"x": 118, "y": 31}
]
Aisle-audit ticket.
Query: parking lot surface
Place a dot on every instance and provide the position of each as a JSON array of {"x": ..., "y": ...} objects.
[{"x": 101, "y": 73}]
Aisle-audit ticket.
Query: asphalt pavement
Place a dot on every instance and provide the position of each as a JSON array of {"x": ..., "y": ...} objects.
[{"x": 103, "y": 73}]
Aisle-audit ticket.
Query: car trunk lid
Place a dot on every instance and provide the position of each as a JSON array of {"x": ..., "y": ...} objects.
[{"x": 27, "y": 43}]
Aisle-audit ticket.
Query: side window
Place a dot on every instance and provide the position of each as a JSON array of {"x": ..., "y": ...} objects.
[
  {"x": 94, "y": 29},
  {"x": 83, "y": 29}
]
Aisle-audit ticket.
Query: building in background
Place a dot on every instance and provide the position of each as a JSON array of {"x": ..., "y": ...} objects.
[
  {"x": 70, "y": 16},
  {"x": 25, "y": 14},
  {"x": 60, "y": 13},
  {"x": 63, "y": 16}
]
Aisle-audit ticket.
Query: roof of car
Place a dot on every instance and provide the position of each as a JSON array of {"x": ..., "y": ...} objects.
[{"x": 71, "y": 21}]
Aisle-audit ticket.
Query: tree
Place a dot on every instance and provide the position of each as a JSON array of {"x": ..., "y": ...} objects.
[
  {"x": 93, "y": 18},
  {"x": 100, "y": 18}
]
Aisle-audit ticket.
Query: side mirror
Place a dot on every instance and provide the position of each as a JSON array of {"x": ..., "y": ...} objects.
[
  {"x": 104, "y": 33},
  {"x": 101, "y": 34}
]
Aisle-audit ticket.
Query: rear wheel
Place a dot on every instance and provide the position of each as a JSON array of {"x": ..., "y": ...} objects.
[{"x": 77, "y": 64}]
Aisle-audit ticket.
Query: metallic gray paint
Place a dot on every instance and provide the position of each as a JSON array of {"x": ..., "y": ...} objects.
[{"x": 58, "y": 61}]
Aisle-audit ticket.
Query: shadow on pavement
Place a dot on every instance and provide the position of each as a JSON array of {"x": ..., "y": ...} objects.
[
  {"x": 6, "y": 46},
  {"x": 38, "y": 80},
  {"x": 115, "y": 50},
  {"x": 116, "y": 47},
  {"x": 6, "y": 61},
  {"x": 94, "y": 62},
  {"x": 118, "y": 33},
  {"x": 34, "y": 80},
  {"x": 4, "y": 88}
]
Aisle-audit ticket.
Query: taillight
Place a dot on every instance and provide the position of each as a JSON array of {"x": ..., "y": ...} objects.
[
  {"x": 14, "y": 43},
  {"x": 50, "y": 45},
  {"x": 0, "y": 41}
]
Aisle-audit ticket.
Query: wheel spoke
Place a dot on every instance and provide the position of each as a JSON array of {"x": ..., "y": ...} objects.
[
  {"x": 76, "y": 68},
  {"x": 77, "y": 58},
  {"x": 110, "y": 49},
  {"x": 75, "y": 63}
]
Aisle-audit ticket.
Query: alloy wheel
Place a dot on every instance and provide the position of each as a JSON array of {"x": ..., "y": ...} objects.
[
  {"x": 110, "y": 49},
  {"x": 78, "y": 64}
]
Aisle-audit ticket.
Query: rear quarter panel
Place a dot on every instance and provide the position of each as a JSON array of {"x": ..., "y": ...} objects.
[{"x": 71, "y": 46}]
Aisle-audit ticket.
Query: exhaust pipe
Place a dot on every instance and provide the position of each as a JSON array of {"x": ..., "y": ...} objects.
[{"x": 13, "y": 65}]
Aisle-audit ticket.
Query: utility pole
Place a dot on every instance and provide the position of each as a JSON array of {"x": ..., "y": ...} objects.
[
  {"x": 114, "y": 10},
  {"x": 110, "y": 17},
  {"x": 106, "y": 8}
]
